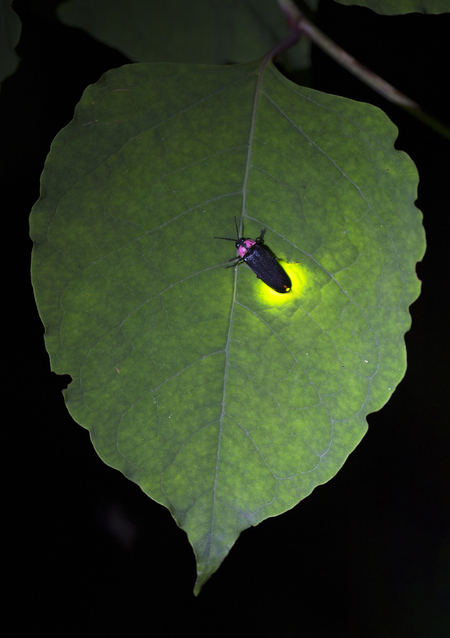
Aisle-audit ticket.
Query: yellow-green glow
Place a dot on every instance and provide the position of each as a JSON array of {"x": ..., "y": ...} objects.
[{"x": 299, "y": 280}]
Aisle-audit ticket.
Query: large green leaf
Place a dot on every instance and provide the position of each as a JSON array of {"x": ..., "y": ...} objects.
[
  {"x": 225, "y": 401},
  {"x": 178, "y": 31},
  {"x": 397, "y": 7}
]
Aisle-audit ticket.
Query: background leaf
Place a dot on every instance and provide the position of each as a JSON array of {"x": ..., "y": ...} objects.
[
  {"x": 197, "y": 31},
  {"x": 223, "y": 405},
  {"x": 10, "y": 28},
  {"x": 398, "y": 7}
]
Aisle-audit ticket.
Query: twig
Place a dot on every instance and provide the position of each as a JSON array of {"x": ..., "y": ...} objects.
[
  {"x": 347, "y": 61},
  {"x": 297, "y": 20}
]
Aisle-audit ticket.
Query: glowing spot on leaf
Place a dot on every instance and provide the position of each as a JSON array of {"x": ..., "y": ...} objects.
[{"x": 299, "y": 279}]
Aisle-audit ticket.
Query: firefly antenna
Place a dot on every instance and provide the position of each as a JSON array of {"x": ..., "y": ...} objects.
[{"x": 237, "y": 231}]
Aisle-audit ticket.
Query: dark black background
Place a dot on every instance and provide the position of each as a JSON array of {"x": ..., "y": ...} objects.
[{"x": 368, "y": 554}]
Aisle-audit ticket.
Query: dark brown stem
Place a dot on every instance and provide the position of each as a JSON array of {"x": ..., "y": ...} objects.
[
  {"x": 298, "y": 22},
  {"x": 348, "y": 62}
]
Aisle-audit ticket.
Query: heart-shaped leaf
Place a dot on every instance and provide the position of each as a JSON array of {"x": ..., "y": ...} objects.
[{"x": 225, "y": 401}]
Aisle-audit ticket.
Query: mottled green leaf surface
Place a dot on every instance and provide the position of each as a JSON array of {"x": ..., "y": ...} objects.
[
  {"x": 397, "y": 7},
  {"x": 224, "y": 402},
  {"x": 196, "y": 31}
]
